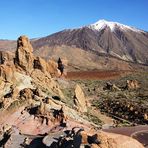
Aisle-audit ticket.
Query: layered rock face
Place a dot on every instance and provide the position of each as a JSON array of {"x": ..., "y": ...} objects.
[{"x": 24, "y": 56}]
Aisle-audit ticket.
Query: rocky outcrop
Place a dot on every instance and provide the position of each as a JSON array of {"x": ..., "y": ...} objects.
[
  {"x": 80, "y": 138},
  {"x": 26, "y": 94},
  {"x": 79, "y": 99},
  {"x": 40, "y": 63},
  {"x": 6, "y": 73},
  {"x": 6, "y": 57},
  {"x": 46, "y": 83},
  {"x": 24, "y": 56},
  {"x": 28, "y": 62},
  {"x": 112, "y": 87},
  {"x": 108, "y": 140},
  {"x": 22, "y": 73},
  {"x": 132, "y": 84},
  {"x": 52, "y": 68},
  {"x": 46, "y": 67}
]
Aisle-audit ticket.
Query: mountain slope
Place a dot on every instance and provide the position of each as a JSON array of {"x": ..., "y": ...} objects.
[
  {"x": 7, "y": 45},
  {"x": 109, "y": 38}
]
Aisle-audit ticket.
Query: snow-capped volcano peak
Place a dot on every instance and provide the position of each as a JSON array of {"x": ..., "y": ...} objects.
[{"x": 101, "y": 24}]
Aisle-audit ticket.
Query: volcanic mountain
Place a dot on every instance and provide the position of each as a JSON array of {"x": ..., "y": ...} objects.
[{"x": 102, "y": 45}]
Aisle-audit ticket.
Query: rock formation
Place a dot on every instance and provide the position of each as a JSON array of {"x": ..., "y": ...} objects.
[
  {"x": 100, "y": 139},
  {"x": 112, "y": 87},
  {"x": 24, "y": 56},
  {"x": 6, "y": 56},
  {"x": 26, "y": 94},
  {"x": 60, "y": 66},
  {"x": 41, "y": 64},
  {"x": 132, "y": 84},
  {"x": 7, "y": 73},
  {"x": 52, "y": 67},
  {"x": 23, "y": 72},
  {"x": 79, "y": 99}
]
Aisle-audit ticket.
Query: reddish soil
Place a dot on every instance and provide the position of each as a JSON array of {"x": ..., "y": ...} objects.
[{"x": 93, "y": 75}]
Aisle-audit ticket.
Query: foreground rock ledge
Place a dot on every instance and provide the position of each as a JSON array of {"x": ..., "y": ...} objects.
[{"x": 81, "y": 139}]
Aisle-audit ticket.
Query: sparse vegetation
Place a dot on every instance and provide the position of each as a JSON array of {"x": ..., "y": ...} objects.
[
  {"x": 93, "y": 118},
  {"x": 16, "y": 104},
  {"x": 68, "y": 94},
  {"x": 131, "y": 105}
]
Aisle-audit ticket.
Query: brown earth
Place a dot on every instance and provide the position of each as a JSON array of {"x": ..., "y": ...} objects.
[{"x": 93, "y": 75}]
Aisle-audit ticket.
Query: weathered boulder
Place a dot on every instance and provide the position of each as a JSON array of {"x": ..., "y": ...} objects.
[
  {"x": 110, "y": 140},
  {"x": 24, "y": 56},
  {"x": 81, "y": 139},
  {"x": 26, "y": 94},
  {"x": 132, "y": 84},
  {"x": 22, "y": 81},
  {"x": 79, "y": 99},
  {"x": 40, "y": 63},
  {"x": 6, "y": 57},
  {"x": 7, "y": 73},
  {"x": 112, "y": 87},
  {"x": 42, "y": 108},
  {"x": 52, "y": 68},
  {"x": 49, "y": 67}
]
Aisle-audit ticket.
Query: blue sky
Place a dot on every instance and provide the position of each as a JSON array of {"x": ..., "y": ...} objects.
[{"x": 38, "y": 18}]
